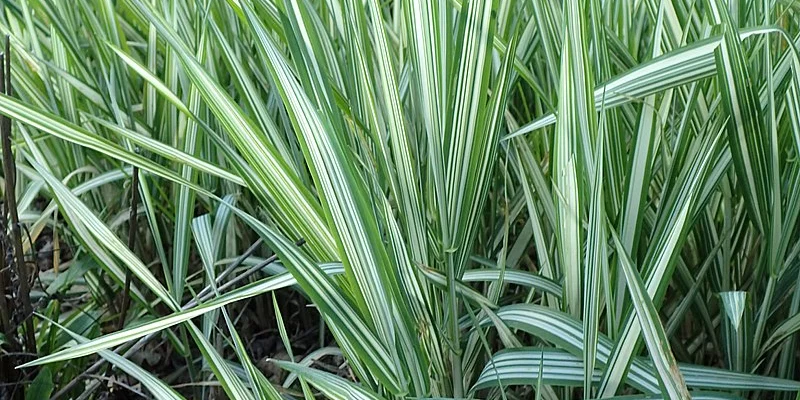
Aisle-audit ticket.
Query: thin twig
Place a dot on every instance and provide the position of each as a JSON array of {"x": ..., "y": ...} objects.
[
  {"x": 235, "y": 264},
  {"x": 9, "y": 170},
  {"x": 126, "y": 298},
  {"x": 206, "y": 293}
]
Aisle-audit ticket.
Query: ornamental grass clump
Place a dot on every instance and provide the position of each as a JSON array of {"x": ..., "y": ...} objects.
[{"x": 363, "y": 199}]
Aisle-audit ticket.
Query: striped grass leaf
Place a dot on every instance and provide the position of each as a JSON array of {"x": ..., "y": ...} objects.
[
  {"x": 501, "y": 45},
  {"x": 208, "y": 248},
  {"x": 228, "y": 379},
  {"x": 113, "y": 339},
  {"x": 201, "y": 231},
  {"x": 641, "y": 162},
  {"x": 168, "y": 152},
  {"x": 350, "y": 330},
  {"x": 427, "y": 344},
  {"x": 60, "y": 128},
  {"x": 548, "y": 21},
  {"x": 567, "y": 333},
  {"x": 223, "y": 224},
  {"x": 697, "y": 394},
  {"x": 256, "y": 103},
  {"x": 344, "y": 193},
  {"x": 744, "y": 127},
  {"x": 398, "y": 108},
  {"x": 151, "y": 79},
  {"x": 332, "y": 386},
  {"x": 786, "y": 362},
  {"x": 516, "y": 277},
  {"x": 346, "y": 200},
  {"x": 679, "y": 67},
  {"x": 258, "y": 382},
  {"x": 429, "y": 35},
  {"x": 522, "y": 366},
  {"x": 157, "y": 387},
  {"x": 737, "y": 330},
  {"x": 785, "y": 330},
  {"x": 439, "y": 279},
  {"x": 79, "y": 190},
  {"x": 653, "y": 332},
  {"x": 310, "y": 359},
  {"x": 695, "y": 61},
  {"x": 107, "y": 244},
  {"x": 389, "y": 103},
  {"x": 470, "y": 158},
  {"x": 754, "y": 145},
  {"x": 595, "y": 265},
  {"x": 287, "y": 344},
  {"x": 574, "y": 135},
  {"x": 527, "y": 167},
  {"x": 276, "y": 184},
  {"x": 185, "y": 200},
  {"x": 659, "y": 261},
  {"x": 317, "y": 65}
]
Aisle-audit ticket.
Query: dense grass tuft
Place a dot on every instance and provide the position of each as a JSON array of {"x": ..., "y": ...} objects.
[{"x": 364, "y": 199}]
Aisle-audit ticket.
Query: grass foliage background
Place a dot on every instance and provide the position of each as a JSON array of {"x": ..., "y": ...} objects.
[{"x": 482, "y": 199}]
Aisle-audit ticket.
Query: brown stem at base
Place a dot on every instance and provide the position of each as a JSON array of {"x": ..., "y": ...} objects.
[
  {"x": 9, "y": 171},
  {"x": 126, "y": 294},
  {"x": 5, "y": 315},
  {"x": 8, "y": 373}
]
